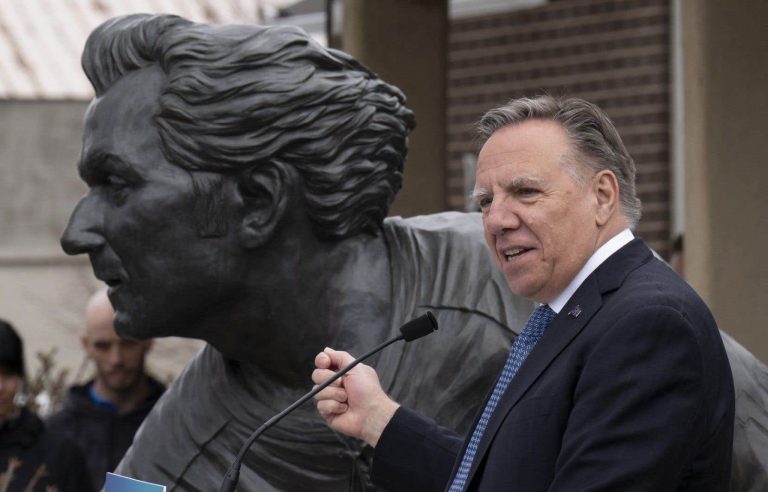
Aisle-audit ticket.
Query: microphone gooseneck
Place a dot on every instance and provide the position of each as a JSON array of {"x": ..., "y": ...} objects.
[{"x": 412, "y": 330}]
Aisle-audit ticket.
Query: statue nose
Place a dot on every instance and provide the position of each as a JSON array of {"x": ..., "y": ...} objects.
[{"x": 81, "y": 234}]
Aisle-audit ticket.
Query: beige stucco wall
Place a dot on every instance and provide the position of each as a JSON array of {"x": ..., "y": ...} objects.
[
  {"x": 725, "y": 104},
  {"x": 404, "y": 42}
]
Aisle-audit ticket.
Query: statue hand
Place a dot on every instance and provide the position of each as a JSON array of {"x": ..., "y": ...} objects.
[{"x": 356, "y": 404}]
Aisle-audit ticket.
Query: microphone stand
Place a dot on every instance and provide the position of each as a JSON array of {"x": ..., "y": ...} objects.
[{"x": 412, "y": 330}]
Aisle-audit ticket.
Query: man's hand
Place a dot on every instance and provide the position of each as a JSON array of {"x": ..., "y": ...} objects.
[{"x": 354, "y": 405}]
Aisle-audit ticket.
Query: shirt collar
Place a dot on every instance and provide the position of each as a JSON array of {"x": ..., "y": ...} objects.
[
  {"x": 100, "y": 402},
  {"x": 598, "y": 257}
]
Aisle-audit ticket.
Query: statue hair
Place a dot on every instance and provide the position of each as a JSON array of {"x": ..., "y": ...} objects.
[{"x": 239, "y": 96}]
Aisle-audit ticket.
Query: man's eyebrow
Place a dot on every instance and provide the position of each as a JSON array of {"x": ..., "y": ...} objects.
[
  {"x": 512, "y": 184},
  {"x": 97, "y": 164},
  {"x": 525, "y": 182},
  {"x": 479, "y": 193}
]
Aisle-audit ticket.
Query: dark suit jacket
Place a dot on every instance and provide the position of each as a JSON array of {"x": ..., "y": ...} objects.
[{"x": 629, "y": 389}]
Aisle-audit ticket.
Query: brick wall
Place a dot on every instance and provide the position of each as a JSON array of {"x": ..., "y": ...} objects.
[{"x": 615, "y": 53}]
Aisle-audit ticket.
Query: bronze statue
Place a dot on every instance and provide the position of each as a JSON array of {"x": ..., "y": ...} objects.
[
  {"x": 239, "y": 181},
  {"x": 239, "y": 178}
]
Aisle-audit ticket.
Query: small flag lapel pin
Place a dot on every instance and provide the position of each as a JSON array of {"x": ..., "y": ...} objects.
[{"x": 575, "y": 312}]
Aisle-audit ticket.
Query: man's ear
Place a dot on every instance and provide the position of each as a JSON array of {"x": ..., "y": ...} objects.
[
  {"x": 263, "y": 188},
  {"x": 606, "y": 188}
]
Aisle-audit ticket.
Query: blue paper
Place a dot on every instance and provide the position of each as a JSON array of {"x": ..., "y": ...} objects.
[{"x": 119, "y": 483}]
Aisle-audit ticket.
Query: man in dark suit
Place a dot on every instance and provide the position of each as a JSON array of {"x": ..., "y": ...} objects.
[{"x": 619, "y": 380}]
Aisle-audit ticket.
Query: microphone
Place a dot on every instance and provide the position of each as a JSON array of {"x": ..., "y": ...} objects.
[{"x": 412, "y": 330}]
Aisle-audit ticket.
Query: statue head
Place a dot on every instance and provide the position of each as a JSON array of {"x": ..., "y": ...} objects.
[{"x": 203, "y": 141}]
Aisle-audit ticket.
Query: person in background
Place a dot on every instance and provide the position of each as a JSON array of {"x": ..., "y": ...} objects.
[
  {"x": 103, "y": 415},
  {"x": 31, "y": 458}
]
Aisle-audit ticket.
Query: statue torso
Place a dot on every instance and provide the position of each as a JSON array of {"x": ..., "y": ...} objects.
[{"x": 438, "y": 263}]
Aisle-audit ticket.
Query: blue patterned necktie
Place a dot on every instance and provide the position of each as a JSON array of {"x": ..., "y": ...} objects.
[{"x": 534, "y": 329}]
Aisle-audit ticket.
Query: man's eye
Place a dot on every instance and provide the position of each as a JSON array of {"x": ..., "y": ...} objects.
[
  {"x": 116, "y": 182},
  {"x": 484, "y": 202},
  {"x": 527, "y": 192},
  {"x": 117, "y": 188}
]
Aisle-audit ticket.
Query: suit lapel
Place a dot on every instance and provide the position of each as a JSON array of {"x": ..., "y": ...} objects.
[
  {"x": 559, "y": 334},
  {"x": 571, "y": 320}
]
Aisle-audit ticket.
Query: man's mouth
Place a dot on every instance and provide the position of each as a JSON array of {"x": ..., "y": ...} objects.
[
  {"x": 113, "y": 285},
  {"x": 511, "y": 253},
  {"x": 112, "y": 279},
  {"x": 108, "y": 271},
  {"x": 113, "y": 282}
]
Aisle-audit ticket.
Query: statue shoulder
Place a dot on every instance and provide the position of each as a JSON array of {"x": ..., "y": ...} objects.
[
  {"x": 441, "y": 261},
  {"x": 180, "y": 422}
]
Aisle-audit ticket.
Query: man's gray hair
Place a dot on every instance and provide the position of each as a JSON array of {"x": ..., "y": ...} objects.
[
  {"x": 243, "y": 96},
  {"x": 592, "y": 132}
]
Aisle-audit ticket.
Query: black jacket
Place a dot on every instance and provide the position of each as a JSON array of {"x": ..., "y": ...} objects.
[
  {"x": 629, "y": 389},
  {"x": 37, "y": 460},
  {"x": 103, "y": 436}
]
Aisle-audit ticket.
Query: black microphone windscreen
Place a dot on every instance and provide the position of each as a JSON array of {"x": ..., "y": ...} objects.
[{"x": 418, "y": 327}]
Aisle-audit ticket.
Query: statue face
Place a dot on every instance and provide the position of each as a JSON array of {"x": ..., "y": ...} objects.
[{"x": 137, "y": 222}]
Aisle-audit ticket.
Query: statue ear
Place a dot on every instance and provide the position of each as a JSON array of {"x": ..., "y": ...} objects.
[{"x": 263, "y": 188}]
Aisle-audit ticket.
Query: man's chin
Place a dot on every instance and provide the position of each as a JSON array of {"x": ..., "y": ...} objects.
[
  {"x": 127, "y": 326},
  {"x": 121, "y": 385}
]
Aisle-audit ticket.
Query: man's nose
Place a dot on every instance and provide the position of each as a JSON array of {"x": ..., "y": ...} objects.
[
  {"x": 502, "y": 215},
  {"x": 80, "y": 236},
  {"x": 116, "y": 355},
  {"x": 5, "y": 382}
]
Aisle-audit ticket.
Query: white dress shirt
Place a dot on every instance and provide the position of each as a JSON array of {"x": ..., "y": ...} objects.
[{"x": 598, "y": 257}]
